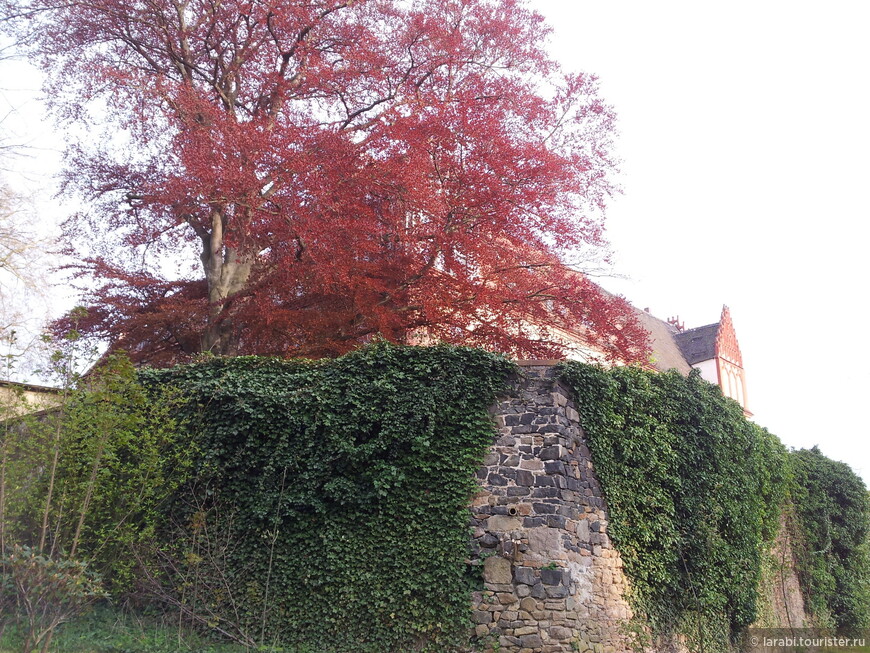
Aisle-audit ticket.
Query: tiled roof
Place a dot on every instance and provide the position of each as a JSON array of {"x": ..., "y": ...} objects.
[
  {"x": 665, "y": 353},
  {"x": 698, "y": 344}
]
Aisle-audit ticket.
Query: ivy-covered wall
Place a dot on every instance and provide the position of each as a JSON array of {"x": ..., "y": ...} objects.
[
  {"x": 625, "y": 509},
  {"x": 831, "y": 520},
  {"x": 694, "y": 492},
  {"x": 328, "y": 502},
  {"x": 324, "y": 506},
  {"x": 696, "y": 495}
]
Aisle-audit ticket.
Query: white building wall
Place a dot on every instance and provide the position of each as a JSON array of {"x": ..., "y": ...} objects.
[
  {"x": 18, "y": 399},
  {"x": 708, "y": 370}
]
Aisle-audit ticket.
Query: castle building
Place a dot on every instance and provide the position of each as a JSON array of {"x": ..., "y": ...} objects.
[{"x": 712, "y": 349}]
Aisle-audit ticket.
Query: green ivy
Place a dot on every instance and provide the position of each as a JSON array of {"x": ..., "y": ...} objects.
[
  {"x": 330, "y": 502},
  {"x": 694, "y": 492},
  {"x": 833, "y": 511}
]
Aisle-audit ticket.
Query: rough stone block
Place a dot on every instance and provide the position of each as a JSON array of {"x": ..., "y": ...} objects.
[
  {"x": 525, "y": 478},
  {"x": 531, "y": 641},
  {"x": 546, "y": 541},
  {"x": 528, "y": 604},
  {"x": 488, "y": 541},
  {"x": 506, "y": 598},
  {"x": 553, "y": 467},
  {"x": 551, "y": 453},
  {"x": 503, "y": 523},
  {"x": 560, "y": 633},
  {"x": 532, "y": 464},
  {"x": 497, "y": 570},
  {"x": 508, "y": 472},
  {"x": 525, "y": 630},
  {"x": 552, "y": 576},
  {"x": 545, "y": 493},
  {"x": 556, "y": 591},
  {"x": 525, "y": 575},
  {"x": 481, "y": 617}
]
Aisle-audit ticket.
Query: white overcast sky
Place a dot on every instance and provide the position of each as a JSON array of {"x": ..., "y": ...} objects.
[{"x": 745, "y": 141}]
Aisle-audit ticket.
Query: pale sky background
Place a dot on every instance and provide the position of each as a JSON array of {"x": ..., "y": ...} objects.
[{"x": 745, "y": 140}]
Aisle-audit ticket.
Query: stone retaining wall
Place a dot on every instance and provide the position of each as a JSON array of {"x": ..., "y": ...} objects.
[{"x": 553, "y": 580}]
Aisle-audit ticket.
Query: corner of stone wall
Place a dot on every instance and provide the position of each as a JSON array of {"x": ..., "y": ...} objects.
[
  {"x": 781, "y": 595},
  {"x": 553, "y": 581}
]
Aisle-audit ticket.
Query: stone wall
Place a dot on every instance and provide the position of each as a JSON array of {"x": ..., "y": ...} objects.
[
  {"x": 553, "y": 580},
  {"x": 782, "y": 602}
]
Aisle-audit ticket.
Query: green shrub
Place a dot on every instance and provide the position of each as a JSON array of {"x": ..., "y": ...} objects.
[
  {"x": 39, "y": 593},
  {"x": 120, "y": 455}
]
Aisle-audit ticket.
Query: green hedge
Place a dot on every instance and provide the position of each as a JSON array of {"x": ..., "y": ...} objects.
[
  {"x": 694, "y": 492},
  {"x": 329, "y": 506},
  {"x": 833, "y": 512}
]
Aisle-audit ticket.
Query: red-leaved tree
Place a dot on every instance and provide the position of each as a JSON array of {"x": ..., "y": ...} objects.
[{"x": 341, "y": 168}]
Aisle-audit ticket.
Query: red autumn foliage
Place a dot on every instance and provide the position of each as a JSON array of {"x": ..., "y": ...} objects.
[{"x": 342, "y": 168}]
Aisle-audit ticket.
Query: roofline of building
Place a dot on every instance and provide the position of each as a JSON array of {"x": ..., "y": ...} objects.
[
  {"x": 703, "y": 326},
  {"x": 30, "y": 387}
]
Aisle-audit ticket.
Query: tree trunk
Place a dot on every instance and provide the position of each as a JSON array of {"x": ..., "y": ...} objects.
[
  {"x": 58, "y": 430},
  {"x": 226, "y": 273},
  {"x": 89, "y": 493},
  {"x": 3, "y": 463}
]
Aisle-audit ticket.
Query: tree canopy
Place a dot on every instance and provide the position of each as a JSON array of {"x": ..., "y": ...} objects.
[{"x": 341, "y": 168}]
